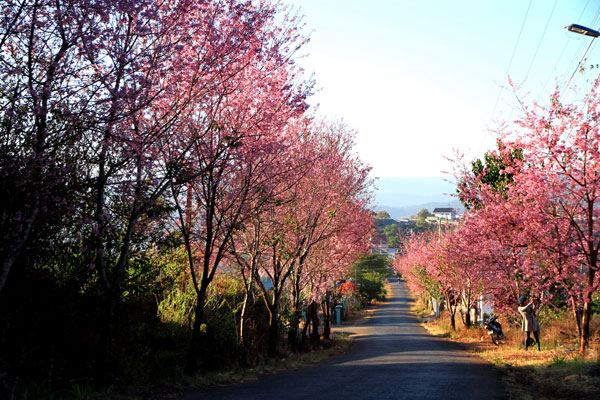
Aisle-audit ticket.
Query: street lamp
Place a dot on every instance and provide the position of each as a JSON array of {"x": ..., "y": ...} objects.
[{"x": 582, "y": 30}]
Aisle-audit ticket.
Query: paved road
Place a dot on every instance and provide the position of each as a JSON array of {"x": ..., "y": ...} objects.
[{"x": 393, "y": 358}]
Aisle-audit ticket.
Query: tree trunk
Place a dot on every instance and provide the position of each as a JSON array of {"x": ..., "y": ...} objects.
[
  {"x": 39, "y": 156},
  {"x": 113, "y": 299},
  {"x": 314, "y": 316},
  {"x": 243, "y": 340},
  {"x": 584, "y": 336},
  {"x": 452, "y": 303},
  {"x": 576, "y": 316},
  {"x": 104, "y": 352},
  {"x": 293, "y": 331},
  {"x": 7, "y": 264},
  {"x": 191, "y": 365},
  {"x": 296, "y": 307},
  {"x": 273, "y": 332},
  {"x": 12, "y": 256},
  {"x": 327, "y": 318},
  {"x": 243, "y": 337},
  {"x": 468, "y": 318},
  {"x": 303, "y": 341},
  {"x": 468, "y": 307}
]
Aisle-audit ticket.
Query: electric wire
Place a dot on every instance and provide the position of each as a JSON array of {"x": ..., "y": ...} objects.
[
  {"x": 487, "y": 131},
  {"x": 562, "y": 53},
  {"x": 577, "y": 68},
  {"x": 583, "y": 57},
  {"x": 554, "y": 69},
  {"x": 541, "y": 40}
]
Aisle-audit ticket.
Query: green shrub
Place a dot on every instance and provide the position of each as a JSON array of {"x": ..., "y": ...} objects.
[{"x": 370, "y": 272}]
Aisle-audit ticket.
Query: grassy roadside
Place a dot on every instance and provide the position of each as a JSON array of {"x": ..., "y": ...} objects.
[
  {"x": 555, "y": 372},
  {"x": 172, "y": 390},
  {"x": 338, "y": 343}
]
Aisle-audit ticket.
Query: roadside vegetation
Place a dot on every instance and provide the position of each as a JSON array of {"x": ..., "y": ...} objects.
[
  {"x": 555, "y": 372},
  {"x": 171, "y": 206},
  {"x": 531, "y": 229},
  {"x": 370, "y": 273},
  {"x": 531, "y": 225}
]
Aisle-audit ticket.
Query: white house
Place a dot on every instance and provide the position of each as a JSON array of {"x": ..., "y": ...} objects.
[{"x": 445, "y": 213}]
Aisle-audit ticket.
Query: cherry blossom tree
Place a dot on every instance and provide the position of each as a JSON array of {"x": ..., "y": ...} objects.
[
  {"x": 442, "y": 266},
  {"x": 241, "y": 150},
  {"x": 46, "y": 98},
  {"x": 330, "y": 260},
  {"x": 541, "y": 230},
  {"x": 327, "y": 194},
  {"x": 138, "y": 93},
  {"x": 327, "y": 203},
  {"x": 561, "y": 143}
]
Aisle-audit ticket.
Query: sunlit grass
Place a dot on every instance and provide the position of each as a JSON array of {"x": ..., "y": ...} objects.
[{"x": 555, "y": 372}]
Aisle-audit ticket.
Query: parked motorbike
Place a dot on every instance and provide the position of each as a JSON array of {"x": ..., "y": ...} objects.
[{"x": 494, "y": 329}]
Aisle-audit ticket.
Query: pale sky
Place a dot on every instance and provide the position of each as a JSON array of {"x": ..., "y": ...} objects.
[{"x": 419, "y": 78}]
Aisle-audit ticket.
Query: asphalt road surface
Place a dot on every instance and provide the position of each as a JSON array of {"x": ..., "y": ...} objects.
[{"x": 393, "y": 357}]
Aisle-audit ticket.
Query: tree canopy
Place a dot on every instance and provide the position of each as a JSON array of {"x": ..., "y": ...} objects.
[{"x": 383, "y": 215}]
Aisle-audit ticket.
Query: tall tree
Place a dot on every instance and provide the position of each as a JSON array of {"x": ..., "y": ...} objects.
[
  {"x": 46, "y": 98},
  {"x": 241, "y": 147},
  {"x": 562, "y": 143}
]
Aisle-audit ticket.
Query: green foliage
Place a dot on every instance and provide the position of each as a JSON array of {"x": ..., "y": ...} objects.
[
  {"x": 393, "y": 235},
  {"x": 394, "y": 241},
  {"x": 595, "y": 303},
  {"x": 220, "y": 344},
  {"x": 432, "y": 286},
  {"x": 493, "y": 168},
  {"x": 370, "y": 272},
  {"x": 390, "y": 230},
  {"x": 490, "y": 172},
  {"x": 176, "y": 305},
  {"x": 558, "y": 360},
  {"x": 383, "y": 215},
  {"x": 421, "y": 223},
  {"x": 423, "y": 214},
  {"x": 371, "y": 286}
]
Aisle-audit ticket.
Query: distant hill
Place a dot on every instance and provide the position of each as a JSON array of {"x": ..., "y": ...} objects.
[
  {"x": 405, "y": 197},
  {"x": 409, "y": 211}
]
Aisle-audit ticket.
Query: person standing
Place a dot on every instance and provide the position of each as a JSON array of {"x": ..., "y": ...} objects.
[{"x": 530, "y": 323}]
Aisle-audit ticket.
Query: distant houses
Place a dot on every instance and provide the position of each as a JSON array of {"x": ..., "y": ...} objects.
[
  {"x": 379, "y": 244},
  {"x": 445, "y": 213},
  {"x": 385, "y": 240}
]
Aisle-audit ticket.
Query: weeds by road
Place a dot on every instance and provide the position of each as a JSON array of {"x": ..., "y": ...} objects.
[
  {"x": 338, "y": 343},
  {"x": 556, "y": 372},
  {"x": 175, "y": 389}
]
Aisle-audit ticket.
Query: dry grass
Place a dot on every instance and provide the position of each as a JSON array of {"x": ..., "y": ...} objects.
[
  {"x": 290, "y": 362},
  {"x": 555, "y": 372}
]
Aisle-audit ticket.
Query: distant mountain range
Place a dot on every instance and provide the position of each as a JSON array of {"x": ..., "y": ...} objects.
[
  {"x": 409, "y": 211},
  {"x": 405, "y": 197}
]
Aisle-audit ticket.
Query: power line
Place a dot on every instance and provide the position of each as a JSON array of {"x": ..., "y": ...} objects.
[
  {"x": 578, "y": 65},
  {"x": 582, "y": 59},
  {"x": 553, "y": 70},
  {"x": 541, "y": 40},
  {"x": 506, "y": 75},
  {"x": 562, "y": 53},
  {"x": 584, "y": 7}
]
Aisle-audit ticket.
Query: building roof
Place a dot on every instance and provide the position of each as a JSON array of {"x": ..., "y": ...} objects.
[{"x": 444, "y": 210}]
